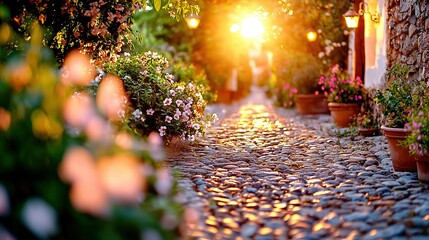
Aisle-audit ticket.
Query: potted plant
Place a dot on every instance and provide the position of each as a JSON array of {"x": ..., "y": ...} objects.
[
  {"x": 305, "y": 79},
  {"x": 367, "y": 121},
  {"x": 344, "y": 94},
  {"x": 396, "y": 100},
  {"x": 417, "y": 126},
  {"x": 418, "y": 139}
]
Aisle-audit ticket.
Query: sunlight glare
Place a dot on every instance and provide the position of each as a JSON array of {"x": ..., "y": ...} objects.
[{"x": 252, "y": 27}]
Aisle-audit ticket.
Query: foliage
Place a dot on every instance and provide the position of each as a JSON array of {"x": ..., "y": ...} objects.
[
  {"x": 157, "y": 101},
  {"x": 157, "y": 31},
  {"x": 369, "y": 116},
  {"x": 305, "y": 71},
  {"x": 188, "y": 73},
  {"x": 100, "y": 28},
  {"x": 398, "y": 97},
  {"x": 285, "y": 95},
  {"x": 291, "y": 23},
  {"x": 340, "y": 88},
  {"x": 78, "y": 180}
]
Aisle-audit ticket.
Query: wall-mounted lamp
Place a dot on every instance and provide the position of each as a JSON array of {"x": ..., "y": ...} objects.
[
  {"x": 192, "y": 21},
  {"x": 364, "y": 8},
  {"x": 352, "y": 17}
]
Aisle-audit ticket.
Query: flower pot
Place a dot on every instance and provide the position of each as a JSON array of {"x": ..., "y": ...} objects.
[
  {"x": 423, "y": 168},
  {"x": 343, "y": 113},
  {"x": 311, "y": 104},
  {"x": 368, "y": 132},
  {"x": 402, "y": 160}
]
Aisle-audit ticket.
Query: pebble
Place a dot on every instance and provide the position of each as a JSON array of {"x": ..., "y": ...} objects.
[{"x": 269, "y": 173}]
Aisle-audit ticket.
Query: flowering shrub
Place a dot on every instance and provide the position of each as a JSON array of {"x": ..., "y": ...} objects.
[
  {"x": 156, "y": 102},
  {"x": 79, "y": 180},
  {"x": 99, "y": 28},
  {"x": 304, "y": 71},
  {"x": 370, "y": 115},
  {"x": 418, "y": 127},
  {"x": 417, "y": 123},
  {"x": 187, "y": 73},
  {"x": 340, "y": 88}
]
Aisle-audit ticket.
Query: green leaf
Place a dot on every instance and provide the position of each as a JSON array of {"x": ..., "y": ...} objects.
[{"x": 157, "y": 4}]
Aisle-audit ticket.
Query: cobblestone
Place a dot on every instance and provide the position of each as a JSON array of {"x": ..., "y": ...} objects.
[{"x": 268, "y": 173}]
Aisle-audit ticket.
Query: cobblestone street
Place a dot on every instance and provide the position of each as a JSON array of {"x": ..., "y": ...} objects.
[{"x": 269, "y": 173}]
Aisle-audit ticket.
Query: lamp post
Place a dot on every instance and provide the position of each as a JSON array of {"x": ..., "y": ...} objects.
[{"x": 352, "y": 21}]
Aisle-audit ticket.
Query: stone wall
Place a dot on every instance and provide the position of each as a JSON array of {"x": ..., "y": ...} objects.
[{"x": 408, "y": 36}]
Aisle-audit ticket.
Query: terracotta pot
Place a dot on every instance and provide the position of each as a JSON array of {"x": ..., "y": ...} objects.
[
  {"x": 368, "y": 132},
  {"x": 311, "y": 104},
  {"x": 343, "y": 113},
  {"x": 402, "y": 160},
  {"x": 423, "y": 168}
]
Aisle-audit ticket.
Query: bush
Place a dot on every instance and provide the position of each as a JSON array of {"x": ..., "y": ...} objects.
[
  {"x": 187, "y": 73},
  {"x": 78, "y": 180},
  {"x": 156, "y": 101}
]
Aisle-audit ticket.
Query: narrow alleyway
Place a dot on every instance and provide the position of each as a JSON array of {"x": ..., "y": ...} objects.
[{"x": 268, "y": 173}]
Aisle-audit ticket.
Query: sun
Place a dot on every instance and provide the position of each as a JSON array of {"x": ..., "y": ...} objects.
[{"x": 252, "y": 27}]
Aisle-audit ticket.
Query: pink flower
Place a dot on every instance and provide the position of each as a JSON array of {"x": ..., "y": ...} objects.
[
  {"x": 111, "y": 16},
  {"x": 162, "y": 130},
  {"x": 168, "y": 119},
  {"x": 167, "y": 101},
  {"x": 176, "y": 116},
  {"x": 179, "y": 103},
  {"x": 150, "y": 112}
]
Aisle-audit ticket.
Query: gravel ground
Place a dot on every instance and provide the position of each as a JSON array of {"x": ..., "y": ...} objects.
[{"x": 269, "y": 173}]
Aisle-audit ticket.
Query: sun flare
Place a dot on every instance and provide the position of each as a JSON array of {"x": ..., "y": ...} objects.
[{"x": 252, "y": 27}]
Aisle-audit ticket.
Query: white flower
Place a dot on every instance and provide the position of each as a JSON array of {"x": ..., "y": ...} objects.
[
  {"x": 187, "y": 112},
  {"x": 169, "y": 77},
  {"x": 164, "y": 181},
  {"x": 158, "y": 69},
  {"x": 168, "y": 119},
  {"x": 121, "y": 113},
  {"x": 162, "y": 130},
  {"x": 167, "y": 101},
  {"x": 172, "y": 92},
  {"x": 39, "y": 217},
  {"x": 321, "y": 55},
  {"x": 127, "y": 54},
  {"x": 185, "y": 118},
  {"x": 196, "y": 126},
  {"x": 177, "y": 116},
  {"x": 191, "y": 86},
  {"x": 191, "y": 138},
  {"x": 150, "y": 112},
  {"x": 4, "y": 201},
  {"x": 188, "y": 106},
  {"x": 144, "y": 73},
  {"x": 179, "y": 103},
  {"x": 137, "y": 113},
  {"x": 179, "y": 89}
]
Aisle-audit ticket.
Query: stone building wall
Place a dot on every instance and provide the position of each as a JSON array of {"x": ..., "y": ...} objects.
[{"x": 408, "y": 36}]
